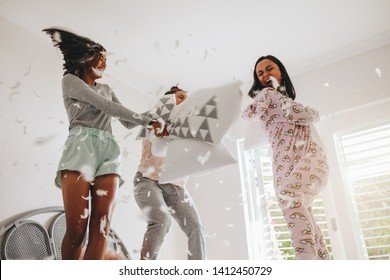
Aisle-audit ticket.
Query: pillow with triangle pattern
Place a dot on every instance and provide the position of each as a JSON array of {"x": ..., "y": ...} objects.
[
  {"x": 206, "y": 115},
  {"x": 163, "y": 109}
]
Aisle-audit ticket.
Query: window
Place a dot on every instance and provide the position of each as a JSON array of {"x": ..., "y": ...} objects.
[
  {"x": 365, "y": 155},
  {"x": 267, "y": 233}
]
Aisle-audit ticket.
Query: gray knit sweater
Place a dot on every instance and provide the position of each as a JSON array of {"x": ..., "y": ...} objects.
[{"x": 94, "y": 106}]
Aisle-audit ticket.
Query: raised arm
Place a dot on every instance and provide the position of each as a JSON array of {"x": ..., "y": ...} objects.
[
  {"x": 74, "y": 87},
  {"x": 287, "y": 109},
  {"x": 127, "y": 124}
]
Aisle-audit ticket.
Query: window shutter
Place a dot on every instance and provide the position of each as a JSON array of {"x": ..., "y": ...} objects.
[
  {"x": 269, "y": 232},
  {"x": 365, "y": 155}
]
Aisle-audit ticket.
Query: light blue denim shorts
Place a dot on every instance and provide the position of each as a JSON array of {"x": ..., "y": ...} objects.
[{"x": 92, "y": 152}]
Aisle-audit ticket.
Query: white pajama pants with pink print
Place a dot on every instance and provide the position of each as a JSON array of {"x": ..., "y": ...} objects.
[{"x": 296, "y": 187}]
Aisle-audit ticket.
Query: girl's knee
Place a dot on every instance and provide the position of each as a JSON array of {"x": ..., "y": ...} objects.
[
  {"x": 75, "y": 235},
  {"x": 100, "y": 223}
]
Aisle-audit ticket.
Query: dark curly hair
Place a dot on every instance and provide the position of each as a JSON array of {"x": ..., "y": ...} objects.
[{"x": 78, "y": 52}]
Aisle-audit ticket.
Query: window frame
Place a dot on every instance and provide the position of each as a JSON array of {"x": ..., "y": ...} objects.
[
  {"x": 348, "y": 180},
  {"x": 262, "y": 237}
]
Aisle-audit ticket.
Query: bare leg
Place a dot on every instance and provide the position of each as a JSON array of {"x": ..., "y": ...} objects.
[
  {"x": 74, "y": 188},
  {"x": 103, "y": 194}
]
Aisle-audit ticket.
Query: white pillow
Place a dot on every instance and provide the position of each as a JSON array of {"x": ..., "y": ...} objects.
[
  {"x": 207, "y": 114},
  {"x": 163, "y": 109},
  {"x": 189, "y": 157},
  {"x": 196, "y": 129}
]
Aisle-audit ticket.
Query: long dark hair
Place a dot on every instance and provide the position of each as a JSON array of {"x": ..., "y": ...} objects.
[
  {"x": 79, "y": 52},
  {"x": 286, "y": 85}
]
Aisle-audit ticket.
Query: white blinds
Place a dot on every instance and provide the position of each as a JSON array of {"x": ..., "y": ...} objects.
[
  {"x": 365, "y": 155},
  {"x": 269, "y": 232}
]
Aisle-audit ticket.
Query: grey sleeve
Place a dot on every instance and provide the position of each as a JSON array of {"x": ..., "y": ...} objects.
[
  {"x": 127, "y": 124},
  {"x": 74, "y": 87}
]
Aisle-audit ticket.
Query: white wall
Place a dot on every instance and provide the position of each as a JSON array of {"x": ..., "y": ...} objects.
[
  {"x": 35, "y": 127},
  {"x": 220, "y": 203},
  {"x": 348, "y": 93},
  {"x": 33, "y": 120},
  {"x": 353, "y": 81},
  {"x": 358, "y": 94}
]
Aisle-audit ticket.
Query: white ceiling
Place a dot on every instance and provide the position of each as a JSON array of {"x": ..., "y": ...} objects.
[{"x": 155, "y": 44}]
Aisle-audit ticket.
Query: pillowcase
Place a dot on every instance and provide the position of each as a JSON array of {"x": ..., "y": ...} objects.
[
  {"x": 163, "y": 109},
  {"x": 189, "y": 157},
  {"x": 207, "y": 115},
  {"x": 196, "y": 128}
]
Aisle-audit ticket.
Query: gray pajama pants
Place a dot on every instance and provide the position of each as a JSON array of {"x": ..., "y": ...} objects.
[{"x": 159, "y": 202}]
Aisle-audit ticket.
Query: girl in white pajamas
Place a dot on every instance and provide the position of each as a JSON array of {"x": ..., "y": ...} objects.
[
  {"x": 159, "y": 202},
  {"x": 299, "y": 162}
]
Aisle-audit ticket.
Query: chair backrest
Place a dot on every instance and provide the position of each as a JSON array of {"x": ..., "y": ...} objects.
[
  {"x": 57, "y": 230},
  {"x": 27, "y": 240},
  {"x": 119, "y": 247}
]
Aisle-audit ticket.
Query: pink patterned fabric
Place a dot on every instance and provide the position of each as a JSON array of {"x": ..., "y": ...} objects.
[{"x": 299, "y": 165}]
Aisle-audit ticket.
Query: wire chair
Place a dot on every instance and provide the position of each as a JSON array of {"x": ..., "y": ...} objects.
[
  {"x": 26, "y": 239},
  {"x": 57, "y": 230},
  {"x": 116, "y": 244}
]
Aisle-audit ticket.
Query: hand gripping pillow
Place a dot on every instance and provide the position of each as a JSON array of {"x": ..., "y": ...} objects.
[
  {"x": 196, "y": 129},
  {"x": 163, "y": 109},
  {"x": 207, "y": 114}
]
